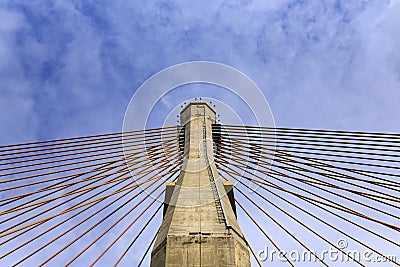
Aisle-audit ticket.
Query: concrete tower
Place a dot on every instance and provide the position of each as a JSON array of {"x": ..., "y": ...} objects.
[{"x": 199, "y": 226}]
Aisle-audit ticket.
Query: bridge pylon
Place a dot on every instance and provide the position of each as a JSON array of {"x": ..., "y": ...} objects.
[{"x": 199, "y": 227}]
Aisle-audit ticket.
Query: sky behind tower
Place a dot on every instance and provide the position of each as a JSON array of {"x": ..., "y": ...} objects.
[{"x": 69, "y": 68}]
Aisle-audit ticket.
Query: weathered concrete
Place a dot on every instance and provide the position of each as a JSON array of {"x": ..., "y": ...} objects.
[{"x": 199, "y": 226}]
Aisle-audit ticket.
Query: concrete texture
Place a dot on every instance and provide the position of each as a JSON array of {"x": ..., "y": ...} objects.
[{"x": 199, "y": 226}]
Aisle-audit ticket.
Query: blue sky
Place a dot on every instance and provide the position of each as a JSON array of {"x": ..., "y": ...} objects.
[{"x": 70, "y": 67}]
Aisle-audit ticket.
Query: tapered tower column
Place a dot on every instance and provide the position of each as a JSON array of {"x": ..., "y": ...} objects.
[{"x": 199, "y": 226}]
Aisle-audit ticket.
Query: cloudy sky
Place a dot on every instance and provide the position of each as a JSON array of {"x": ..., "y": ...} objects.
[{"x": 69, "y": 68}]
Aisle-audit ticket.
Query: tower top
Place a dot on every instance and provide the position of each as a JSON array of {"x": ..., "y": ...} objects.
[
  {"x": 197, "y": 110},
  {"x": 197, "y": 103}
]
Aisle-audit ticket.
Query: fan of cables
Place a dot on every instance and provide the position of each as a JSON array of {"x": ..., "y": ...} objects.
[{"x": 98, "y": 199}]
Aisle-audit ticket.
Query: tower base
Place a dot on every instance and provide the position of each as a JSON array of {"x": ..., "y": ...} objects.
[{"x": 203, "y": 250}]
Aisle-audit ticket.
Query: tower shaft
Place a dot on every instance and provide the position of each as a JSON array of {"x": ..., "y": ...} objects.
[{"x": 199, "y": 226}]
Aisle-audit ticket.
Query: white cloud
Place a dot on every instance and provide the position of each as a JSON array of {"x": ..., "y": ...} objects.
[
  {"x": 18, "y": 120},
  {"x": 392, "y": 25},
  {"x": 320, "y": 64}
]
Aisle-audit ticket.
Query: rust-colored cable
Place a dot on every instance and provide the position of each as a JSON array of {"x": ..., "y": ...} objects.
[
  {"x": 301, "y": 223},
  {"x": 142, "y": 165},
  {"x": 346, "y": 177},
  {"x": 134, "y": 239},
  {"x": 88, "y": 159},
  {"x": 265, "y": 233},
  {"x": 266, "y": 182},
  {"x": 85, "y": 154},
  {"x": 9, "y": 230},
  {"x": 128, "y": 190},
  {"x": 137, "y": 156},
  {"x": 98, "y": 223},
  {"x": 319, "y": 131},
  {"x": 148, "y": 248},
  {"x": 267, "y": 172},
  {"x": 118, "y": 139},
  {"x": 98, "y": 136},
  {"x": 307, "y": 212},
  {"x": 282, "y": 227},
  {"x": 76, "y": 190}
]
